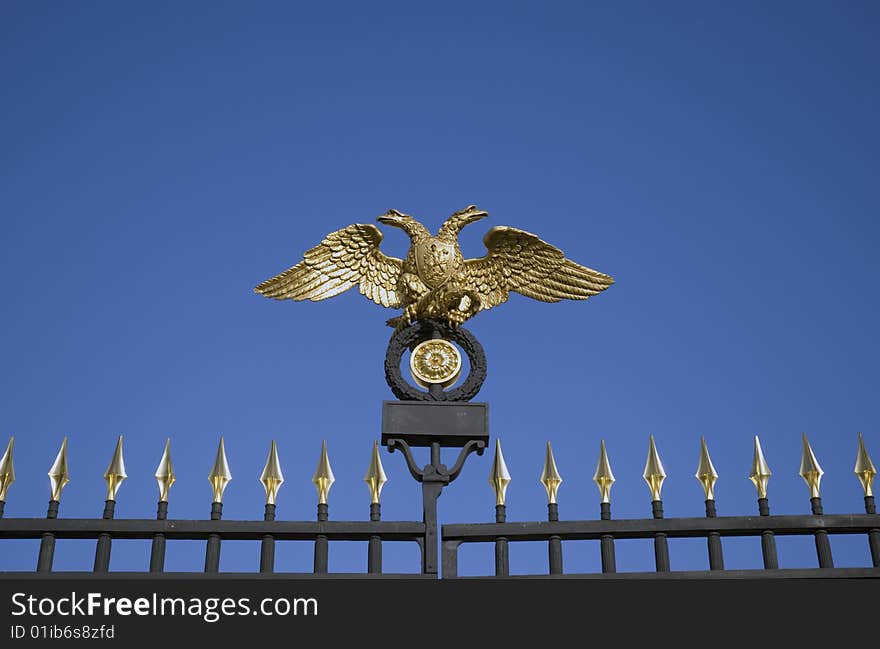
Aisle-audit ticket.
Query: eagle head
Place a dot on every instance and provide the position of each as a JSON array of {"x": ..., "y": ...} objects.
[
  {"x": 453, "y": 225},
  {"x": 468, "y": 215},
  {"x": 405, "y": 222},
  {"x": 395, "y": 218}
]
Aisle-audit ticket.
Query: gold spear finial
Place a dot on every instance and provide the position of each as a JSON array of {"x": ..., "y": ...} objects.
[
  {"x": 550, "y": 477},
  {"x": 499, "y": 476},
  {"x": 654, "y": 474},
  {"x": 7, "y": 470},
  {"x": 220, "y": 474},
  {"x": 760, "y": 473},
  {"x": 58, "y": 474},
  {"x": 271, "y": 477},
  {"x": 375, "y": 477},
  {"x": 323, "y": 478},
  {"x": 603, "y": 477},
  {"x": 706, "y": 473},
  {"x": 810, "y": 471},
  {"x": 165, "y": 472},
  {"x": 864, "y": 470},
  {"x": 115, "y": 473}
]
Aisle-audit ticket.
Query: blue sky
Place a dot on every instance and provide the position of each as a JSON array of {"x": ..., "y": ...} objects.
[{"x": 160, "y": 159}]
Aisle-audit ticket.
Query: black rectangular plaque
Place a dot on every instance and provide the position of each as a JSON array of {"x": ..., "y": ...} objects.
[{"x": 420, "y": 423}]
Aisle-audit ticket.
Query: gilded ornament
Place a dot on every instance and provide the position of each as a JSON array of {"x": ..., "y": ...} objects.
[
  {"x": 864, "y": 469},
  {"x": 435, "y": 281},
  {"x": 435, "y": 361}
]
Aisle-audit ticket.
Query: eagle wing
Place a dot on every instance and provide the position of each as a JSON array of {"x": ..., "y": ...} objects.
[
  {"x": 519, "y": 261},
  {"x": 344, "y": 258}
]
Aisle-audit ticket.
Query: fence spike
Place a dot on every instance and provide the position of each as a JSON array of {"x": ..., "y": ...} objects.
[
  {"x": 810, "y": 470},
  {"x": 603, "y": 477},
  {"x": 654, "y": 474},
  {"x": 375, "y": 476},
  {"x": 864, "y": 469},
  {"x": 760, "y": 473},
  {"x": 499, "y": 476},
  {"x": 115, "y": 473},
  {"x": 165, "y": 472},
  {"x": 271, "y": 477},
  {"x": 323, "y": 478},
  {"x": 220, "y": 474},
  {"x": 706, "y": 473},
  {"x": 7, "y": 470},
  {"x": 550, "y": 477},
  {"x": 59, "y": 475}
]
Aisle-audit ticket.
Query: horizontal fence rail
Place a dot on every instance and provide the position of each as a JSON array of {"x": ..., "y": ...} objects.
[
  {"x": 120, "y": 528},
  {"x": 607, "y": 531},
  {"x": 213, "y": 532}
]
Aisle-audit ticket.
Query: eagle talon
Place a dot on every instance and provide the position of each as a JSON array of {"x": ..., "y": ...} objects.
[{"x": 404, "y": 320}]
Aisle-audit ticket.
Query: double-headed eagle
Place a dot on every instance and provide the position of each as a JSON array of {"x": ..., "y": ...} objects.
[{"x": 435, "y": 281}]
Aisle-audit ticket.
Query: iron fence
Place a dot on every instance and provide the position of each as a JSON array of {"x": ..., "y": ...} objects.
[
  {"x": 659, "y": 530},
  {"x": 213, "y": 532},
  {"x": 763, "y": 527}
]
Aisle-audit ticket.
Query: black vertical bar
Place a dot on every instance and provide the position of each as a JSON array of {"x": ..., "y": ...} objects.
[
  {"x": 555, "y": 546},
  {"x": 47, "y": 542},
  {"x": 321, "y": 544},
  {"x": 716, "y": 558},
  {"x": 609, "y": 563},
  {"x": 661, "y": 546},
  {"x": 374, "y": 550},
  {"x": 157, "y": 552},
  {"x": 873, "y": 534},
  {"x": 421, "y": 543},
  {"x": 102, "y": 551},
  {"x": 823, "y": 544},
  {"x": 768, "y": 539},
  {"x": 2, "y": 507},
  {"x": 450, "y": 559},
  {"x": 267, "y": 547},
  {"x": 212, "y": 549},
  {"x": 431, "y": 490},
  {"x": 502, "y": 560}
]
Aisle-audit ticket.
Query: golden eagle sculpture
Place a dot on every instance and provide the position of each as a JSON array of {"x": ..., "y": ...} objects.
[{"x": 435, "y": 281}]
